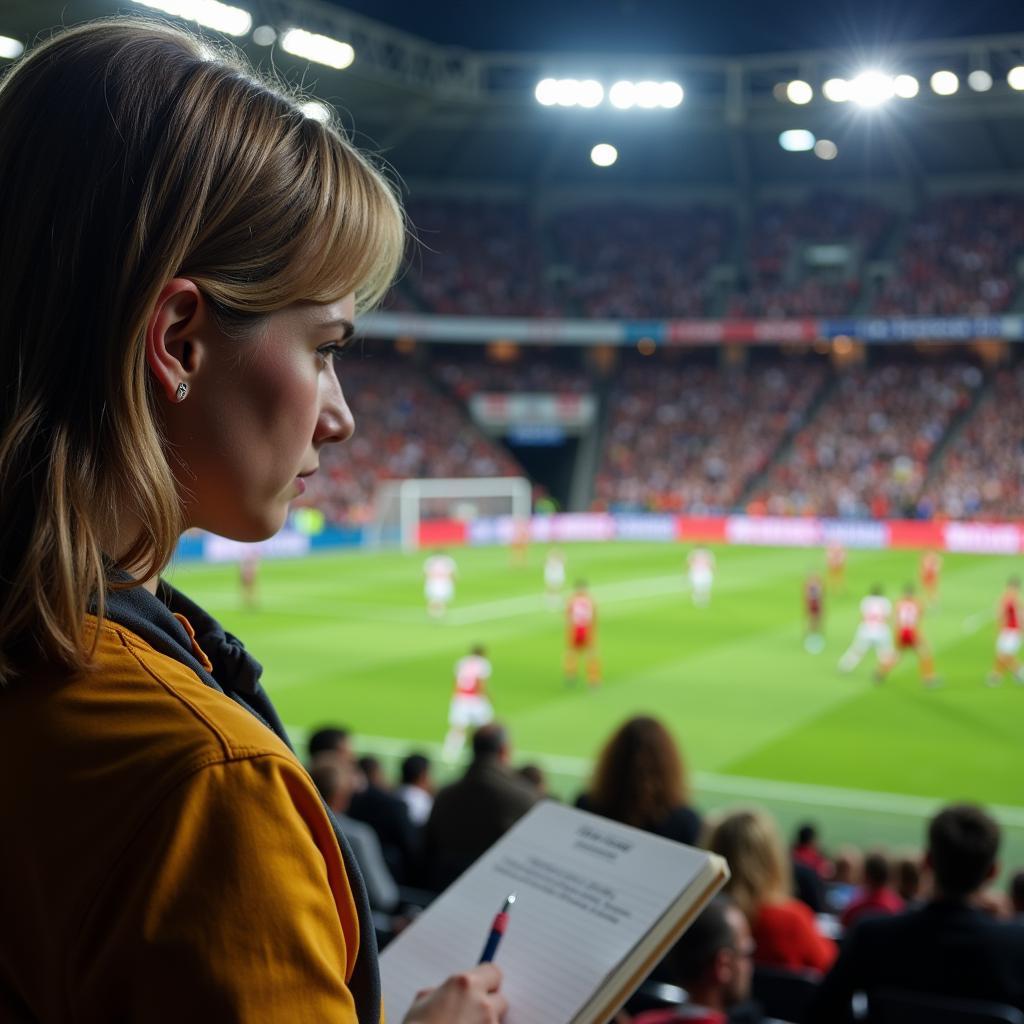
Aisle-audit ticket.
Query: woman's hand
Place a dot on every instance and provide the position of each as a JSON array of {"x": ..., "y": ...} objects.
[{"x": 471, "y": 997}]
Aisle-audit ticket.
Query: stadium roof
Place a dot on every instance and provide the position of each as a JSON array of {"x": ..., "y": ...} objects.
[{"x": 448, "y": 94}]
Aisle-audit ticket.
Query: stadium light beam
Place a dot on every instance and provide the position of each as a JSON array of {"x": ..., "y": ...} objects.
[
  {"x": 671, "y": 94},
  {"x": 590, "y": 93},
  {"x": 826, "y": 149},
  {"x": 872, "y": 89},
  {"x": 648, "y": 95},
  {"x": 837, "y": 90},
  {"x": 622, "y": 95},
  {"x": 944, "y": 83},
  {"x": 567, "y": 92},
  {"x": 546, "y": 92},
  {"x": 316, "y": 111},
  {"x": 321, "y": 49},
  {"x": 232, "y": 21},
  {"x": 799, "y": 92},
  {"x": 979, "y": 80},
  {"x": 604, "y": 154},
  {"x": 1015, "y": 78},
  {"x": 906, "y": 86},
  {"x": 10, "y": 48},
  {"x": 796, "y": 140}
]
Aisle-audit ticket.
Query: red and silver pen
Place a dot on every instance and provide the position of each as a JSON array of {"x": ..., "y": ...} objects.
[{"x": 497, "y": 930}]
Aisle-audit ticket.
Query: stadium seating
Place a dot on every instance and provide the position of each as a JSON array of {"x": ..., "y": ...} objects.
[{"x": 893, "y": 1007}]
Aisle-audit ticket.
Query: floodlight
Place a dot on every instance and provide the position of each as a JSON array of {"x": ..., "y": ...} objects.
[
  {"x": 671, "y": 94},
  {"x": 944, "y": 83},
  {"x": 837, "y": 90},
  {"x": 567, "y": 92},
  {"x": 979, "y": 80},
  {"x": 796, "y": 140},
  {"x": 906, "y": 86},
  {"x": 872, "y": 89},
  {"x": 264, "y": 36},
  {"x": 648, "y": 95},
  {"x": 10, "y": 48},
  {"x": 321, "y": 49},
  {"x": 233, "y": 21},
  {"x": 799, "y": 92},
  {"x": 316, "y": 111},
  {"x": 622, "y": 95},
  {"x": 590, "y": 93},
  {"x": 604, "y": 154},
  {"x": 546, "y": 92},
  {"x": 826, "y": 149},
  {"x": 1015, "y": 77}
]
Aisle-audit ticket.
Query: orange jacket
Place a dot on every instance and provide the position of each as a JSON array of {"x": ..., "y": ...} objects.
[{"x": 165, "y": 856}]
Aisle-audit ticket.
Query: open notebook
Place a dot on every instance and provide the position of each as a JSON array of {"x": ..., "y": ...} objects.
[{"x": 598, "y": 904}]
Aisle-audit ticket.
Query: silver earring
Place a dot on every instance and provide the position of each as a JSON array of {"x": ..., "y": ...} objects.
[{"x": 179, "y": 395}]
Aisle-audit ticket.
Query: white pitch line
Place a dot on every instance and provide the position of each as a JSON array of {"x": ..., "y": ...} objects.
[
  {"x": 900, "y": 804},
  {"x": 974, "y": 622}
]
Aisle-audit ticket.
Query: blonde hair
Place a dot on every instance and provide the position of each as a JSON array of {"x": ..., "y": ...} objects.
[
  {"x": 132, "y": 152},
  {"x": 750, "y": 842}
]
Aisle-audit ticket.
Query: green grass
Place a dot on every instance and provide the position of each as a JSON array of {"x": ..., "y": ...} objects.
[{"x": 346, "y": 639}]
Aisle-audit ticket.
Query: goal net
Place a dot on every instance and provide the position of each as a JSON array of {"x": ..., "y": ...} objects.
[{"x": 401, "y": 506}]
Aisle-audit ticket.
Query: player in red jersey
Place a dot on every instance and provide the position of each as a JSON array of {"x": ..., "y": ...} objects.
[
  {"x": 835, "y": 563},
  {"x": 909, "y": 638},
  {"x": 814, "y": 608},
  {"x": 1008, "y": 641},
  {"x": 931, "y": 569},
  {"x": 581, "y": 619}
]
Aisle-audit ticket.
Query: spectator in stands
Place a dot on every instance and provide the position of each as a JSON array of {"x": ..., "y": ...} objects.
[
  {"x": 847, "y": 876},
  {"x": 204, "y": 243},
  {"x": 336, "y": 783},
  {"x": 333, "y": 740},
  {"x": 417, "y": 788},
  {"x": 948, "y": 947},
  {"x": 534, "y": 776},
  {"x": 640, "y": 780},
  {"x": 388, "y": 816},
  {"x": 784, "y": 929},
  {"x": 908, "y": 880},
  {"x": 876, "y": 896},
  {"x": 1016, "y": 894},
  {"x": 806, "y": 851},
  {"x": 713, "y": 962},
  {"x": 470, "y": 815}
]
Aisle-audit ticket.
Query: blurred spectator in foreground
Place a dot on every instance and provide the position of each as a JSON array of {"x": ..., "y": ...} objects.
[
  {"x": 876, "y": 896},
  {"x": 336, "y": 783},
  {"x": 417, "y": 788},
  {"x": 713, "y": 961},
  {"x": 806, "y": 850},
  {"x": 908, "y": 880},
  {"x": 388, "y": 816},
  {"x": 534, "y": 776},
  {"x": 640, "y": 780},
  {"x": 470, "y": 815},
  {"x": 333, "y": 740},
  {"x": 1016, "y": 894},
  {"x": 948, "y": 947},
  {"x": 784, "y": 929},
  {"x": 847, "y": 874}
]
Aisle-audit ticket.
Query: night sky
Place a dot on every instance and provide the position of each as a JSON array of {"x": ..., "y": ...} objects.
[{"x": 709, "y": 27}]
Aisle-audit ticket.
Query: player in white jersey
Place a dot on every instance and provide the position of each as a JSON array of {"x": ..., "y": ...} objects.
[
  {"x": 873, "y": 633},
  {"x": 554, "y": 576},
  {"x": 701, "y": 565},
  {"x": 439, "y": 570},
  {"x": 469, "y": 705}
]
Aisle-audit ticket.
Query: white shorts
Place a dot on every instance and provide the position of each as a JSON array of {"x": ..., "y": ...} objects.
[
  {"x": 469, "y": 711},
  {"x": 877, "y": 637},
  {"x": 1008, "y": 642},
  {"x": 439, "y": 591}
]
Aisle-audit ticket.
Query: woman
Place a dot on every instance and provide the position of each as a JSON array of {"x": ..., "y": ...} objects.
[
  {"x": 639, "y": 780},
  {"x": 783, "y": 928},
  {"x": 181, "y": 258}
]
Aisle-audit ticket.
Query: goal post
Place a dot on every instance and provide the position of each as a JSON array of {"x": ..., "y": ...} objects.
[{"x": 400, "y": 506}]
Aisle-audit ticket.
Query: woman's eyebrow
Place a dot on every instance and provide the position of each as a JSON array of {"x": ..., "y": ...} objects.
[{"x": 348, "y": 328}]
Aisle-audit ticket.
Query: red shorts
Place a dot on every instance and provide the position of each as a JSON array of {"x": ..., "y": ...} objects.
[
  {"x": 814, "y": 609},
  {"x": 580, "y": 639},
  {"x": 907, "y": 638}
]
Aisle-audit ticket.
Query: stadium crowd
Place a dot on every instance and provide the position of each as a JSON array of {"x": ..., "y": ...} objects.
[{"x": 798, "y": 934}]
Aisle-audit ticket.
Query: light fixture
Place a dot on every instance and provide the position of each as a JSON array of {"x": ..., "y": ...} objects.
[
  {"x": 837, "y": 90},
  {"x": 10, "y": 48},
  {"x": 796, "y": 140},
  {"x": 264, "y": 36},
  {"x": 589, "y": 93},
  {"x": 622, "y": 95},
  {"x": 906, "y": 86},
  {"x": 826, "y": 149},
  {"x": 648, "y": 95},
  {"x": 1015, "y": 77},
  {"x": 233, "y": 21},
  {"x": 671, "y": 94},
  {"x": 604, "y": 154},
  {"x": 321, "y": 49},
  {"x": 979, "y": 80},
  {"x": 799, "y": 92},
  {"x": 872, "y": 88},
  {"x": 546, "y": 92},
  {"x": 944, "y": 83}
]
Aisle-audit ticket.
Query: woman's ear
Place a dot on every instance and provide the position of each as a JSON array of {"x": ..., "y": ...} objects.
[{"x": 175, "y": 338}]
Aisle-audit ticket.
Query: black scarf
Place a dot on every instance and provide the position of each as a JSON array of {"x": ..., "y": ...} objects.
[{"x": 237, "y": 674}]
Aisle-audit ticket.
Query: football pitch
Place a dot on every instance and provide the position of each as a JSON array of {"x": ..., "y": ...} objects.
[{"x": 345, "y": 639}]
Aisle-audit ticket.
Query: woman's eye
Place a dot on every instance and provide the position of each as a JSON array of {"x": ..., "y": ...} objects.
[{"x": 335, "y": 350}]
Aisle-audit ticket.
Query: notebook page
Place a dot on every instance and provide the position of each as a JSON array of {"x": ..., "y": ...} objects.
[{"x": 588, "y": 890}]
